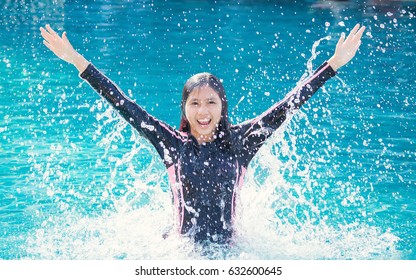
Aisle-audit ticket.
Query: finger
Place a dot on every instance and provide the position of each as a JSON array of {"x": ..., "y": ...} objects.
[
  {"x": 357, "y": 45},
  {"x": 356, "y": 27},
  {"x": 46, "y": 35},
  {"x": 359, "y": 33},
  {"x": 50, "y": 37},
  {"x": 65, "y": 38},
  {"x": 341, "y": 40},
  {"x": 352, "y": 33},
  {"x": 354, "y": 48},
  {"x": 49, "y": 46},
  {"x": 51, "y": 31}
]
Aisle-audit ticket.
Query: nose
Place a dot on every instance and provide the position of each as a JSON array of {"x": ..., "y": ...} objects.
[{"x": 203, "y": 109}]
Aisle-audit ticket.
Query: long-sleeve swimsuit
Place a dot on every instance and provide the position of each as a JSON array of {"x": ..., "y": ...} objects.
[{"x": 205, "y": 178}]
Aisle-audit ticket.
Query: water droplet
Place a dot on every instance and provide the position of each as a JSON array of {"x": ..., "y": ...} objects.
[{"x": 50, "y": 192}]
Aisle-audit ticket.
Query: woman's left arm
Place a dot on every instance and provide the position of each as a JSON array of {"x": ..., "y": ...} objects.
[{"x": 254, "y": 132}]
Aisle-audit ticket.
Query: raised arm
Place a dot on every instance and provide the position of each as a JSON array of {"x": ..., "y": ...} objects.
[
  {"x": 254, "y": 132},
  {"x": 164, "y": 138}
]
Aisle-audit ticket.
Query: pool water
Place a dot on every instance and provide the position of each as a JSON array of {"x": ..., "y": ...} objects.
[{"x": 335, "y": 182}]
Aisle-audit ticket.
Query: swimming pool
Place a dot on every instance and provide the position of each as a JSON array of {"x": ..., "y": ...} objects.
[{"x": 338, "y": 182}]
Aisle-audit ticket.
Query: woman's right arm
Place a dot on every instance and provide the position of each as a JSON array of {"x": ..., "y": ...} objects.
[{"x": 164, "y": 138}]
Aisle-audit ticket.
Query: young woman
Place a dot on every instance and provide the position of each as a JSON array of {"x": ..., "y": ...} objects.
[{"x": 207, "y": 157}]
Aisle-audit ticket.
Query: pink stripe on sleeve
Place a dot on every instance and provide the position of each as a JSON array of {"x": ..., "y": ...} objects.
[
  {"x": 237, "y": 187},
  {"x": 177, "y": 192}
]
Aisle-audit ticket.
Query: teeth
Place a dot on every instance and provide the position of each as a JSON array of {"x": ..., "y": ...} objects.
[{"x": 204, "y": 121}]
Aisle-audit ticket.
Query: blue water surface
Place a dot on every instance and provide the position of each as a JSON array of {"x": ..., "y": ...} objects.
[{"x": 336, "y": 182}]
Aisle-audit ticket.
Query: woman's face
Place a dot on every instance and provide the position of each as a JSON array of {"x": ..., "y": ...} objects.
[{"x": 203, "y": 112}]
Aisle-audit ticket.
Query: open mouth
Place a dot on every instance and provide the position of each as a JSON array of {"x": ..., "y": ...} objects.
[{"x": 204, "y": 122}]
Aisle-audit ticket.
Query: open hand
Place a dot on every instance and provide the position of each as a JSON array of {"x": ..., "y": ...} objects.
[
  {"x": 62, "y": 48},
  {"x": 58, "y": 45},
  {"x": 346, "y": 48}
]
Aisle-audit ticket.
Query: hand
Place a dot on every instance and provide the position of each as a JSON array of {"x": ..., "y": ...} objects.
[
  {"x": 62, "y": 48},
  {"x": 346, "y": 48}
]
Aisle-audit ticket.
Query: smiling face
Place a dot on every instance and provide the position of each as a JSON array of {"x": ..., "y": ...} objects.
[{"x": 203, "y": 112}]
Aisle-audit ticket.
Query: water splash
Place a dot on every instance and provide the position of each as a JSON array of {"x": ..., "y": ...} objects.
[
  {"x": 314, "y": 54},
  {"x": 291, "y": 206},
  {"x": 283, "y": 219},
  {"x": 282, "y": 212}
]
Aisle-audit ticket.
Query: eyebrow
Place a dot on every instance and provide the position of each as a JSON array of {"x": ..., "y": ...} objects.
[{"x": 208, "y": 99}]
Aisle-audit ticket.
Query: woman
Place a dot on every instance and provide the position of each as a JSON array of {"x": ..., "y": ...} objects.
[{"x": 207, "y": 157}]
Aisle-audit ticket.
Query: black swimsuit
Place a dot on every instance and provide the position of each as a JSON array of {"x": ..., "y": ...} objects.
[{"x": 204, "y": 178}]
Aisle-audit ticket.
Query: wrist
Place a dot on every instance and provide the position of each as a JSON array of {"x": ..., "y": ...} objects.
[
  {"x": 334, "y": 63},
  {"x": 80, "y": 62}
]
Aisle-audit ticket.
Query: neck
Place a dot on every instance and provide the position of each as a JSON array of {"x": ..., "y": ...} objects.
[{"x": 204, "y": 138}]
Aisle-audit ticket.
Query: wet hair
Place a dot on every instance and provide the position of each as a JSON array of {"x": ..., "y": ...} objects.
[{"x": 198, "y": 81}]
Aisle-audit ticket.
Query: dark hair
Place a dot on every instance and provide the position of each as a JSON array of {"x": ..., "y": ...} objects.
[{"x": 198, "y": 81}]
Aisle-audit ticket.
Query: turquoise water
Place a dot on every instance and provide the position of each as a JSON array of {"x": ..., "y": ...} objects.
[{"x": 336, "y": 182}]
